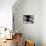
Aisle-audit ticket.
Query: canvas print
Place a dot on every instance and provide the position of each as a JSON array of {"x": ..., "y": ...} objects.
[{"x": 28, "y": 19}]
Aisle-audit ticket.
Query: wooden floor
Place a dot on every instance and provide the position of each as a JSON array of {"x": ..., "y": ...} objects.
[{"x": 9, "y": 43}]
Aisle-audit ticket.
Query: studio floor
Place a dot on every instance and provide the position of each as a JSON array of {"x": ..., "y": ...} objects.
[{"x": 9, "y": 43}]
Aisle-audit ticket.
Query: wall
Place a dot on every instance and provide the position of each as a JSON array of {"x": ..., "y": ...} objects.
[
  {"x": 6, "y": 16},
  {"x": 30, "y": 31},
  {"x": 43, "y": 22},
  {"x": 6, "y": 13}
]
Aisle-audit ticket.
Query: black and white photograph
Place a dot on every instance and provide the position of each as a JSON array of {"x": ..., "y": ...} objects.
[{"x": 28, "y": 19}]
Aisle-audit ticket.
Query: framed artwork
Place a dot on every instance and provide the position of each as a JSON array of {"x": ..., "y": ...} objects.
[{"x": 28, "y": 19}]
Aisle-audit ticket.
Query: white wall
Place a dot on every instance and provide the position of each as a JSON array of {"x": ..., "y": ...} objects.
[
  {"x": 6, "y": 13},
  {"x": 43, "y": 22},
  {"x": 25, "y": 8},
  {"x": 31, "y": 31}
]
